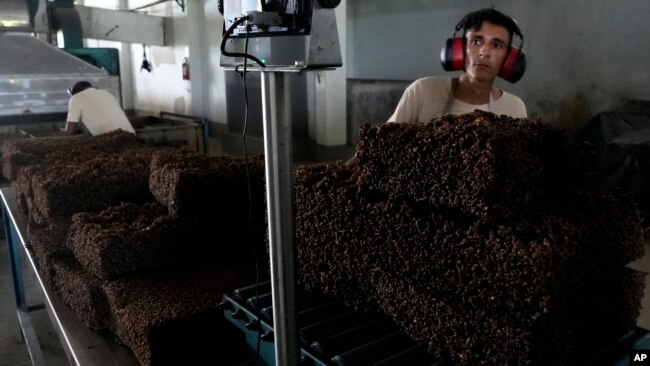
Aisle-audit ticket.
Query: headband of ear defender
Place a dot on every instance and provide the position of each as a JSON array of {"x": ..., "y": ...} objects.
[{"x": 452, "y": 55}]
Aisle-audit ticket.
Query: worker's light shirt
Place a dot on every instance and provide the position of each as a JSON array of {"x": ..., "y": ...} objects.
[
  {"x": 426, "y": 99},
  {"x": 99, "y": 111}
]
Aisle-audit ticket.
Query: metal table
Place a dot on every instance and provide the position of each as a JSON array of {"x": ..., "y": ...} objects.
[{"x": 82, "y": 345}]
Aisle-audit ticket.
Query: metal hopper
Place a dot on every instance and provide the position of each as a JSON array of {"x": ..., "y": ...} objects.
[{"x": 35, "y": 76}]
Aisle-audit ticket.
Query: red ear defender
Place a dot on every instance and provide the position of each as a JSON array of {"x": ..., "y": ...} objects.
[
  {"x": 452, "y": 56},
  {"x": 514, "y": 65}
]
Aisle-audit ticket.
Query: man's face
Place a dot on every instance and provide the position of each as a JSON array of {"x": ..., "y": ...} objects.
[{"x": 485, "y": 50}]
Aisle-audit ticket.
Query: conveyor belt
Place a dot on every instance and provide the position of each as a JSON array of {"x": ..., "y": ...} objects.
[{"x": 330, "y": 332}]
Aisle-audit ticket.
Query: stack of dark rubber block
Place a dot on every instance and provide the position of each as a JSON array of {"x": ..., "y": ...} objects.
[
  {"x": 478, "y": 237},
  {"x": 17, "y": 154},
  {"x": 153, "y": 273},
  {"x": 184, "y": 184}
]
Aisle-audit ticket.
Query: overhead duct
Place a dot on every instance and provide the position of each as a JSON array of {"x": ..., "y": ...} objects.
[
  {"x": 122, "y": 26},
  {"x": 77, "y": 22}
]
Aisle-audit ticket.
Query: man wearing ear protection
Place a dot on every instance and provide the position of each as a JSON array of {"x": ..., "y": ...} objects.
[{"x": 484, "y": 52}]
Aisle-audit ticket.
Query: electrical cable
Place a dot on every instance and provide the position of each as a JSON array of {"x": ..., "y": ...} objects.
[
  {"x": 252, "y": 235},
  {"x": 245, "y": 55}
]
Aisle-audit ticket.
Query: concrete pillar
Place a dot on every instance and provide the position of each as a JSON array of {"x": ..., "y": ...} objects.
[
  {"x": 199, "y": 58},
  {"x": 126, "y": 67},
  {"x": 327, "y": 95},
  {"x": 217, "y": 108}
]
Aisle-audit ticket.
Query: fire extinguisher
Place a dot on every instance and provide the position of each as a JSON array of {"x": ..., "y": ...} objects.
[{"x": 186, "y": 69}]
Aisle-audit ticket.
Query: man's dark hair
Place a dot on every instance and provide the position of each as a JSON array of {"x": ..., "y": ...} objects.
[
  {"x": 475, "y": 19},
  {"x": 79, "y": 87}
]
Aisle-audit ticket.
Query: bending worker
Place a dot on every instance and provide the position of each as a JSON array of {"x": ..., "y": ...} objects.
[
  {"x": 98, "y": 110},
  {"x": 484, "y": 52}
]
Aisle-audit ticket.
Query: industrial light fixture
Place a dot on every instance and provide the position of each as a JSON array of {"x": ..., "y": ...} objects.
[{"x": 12, "y": 23}]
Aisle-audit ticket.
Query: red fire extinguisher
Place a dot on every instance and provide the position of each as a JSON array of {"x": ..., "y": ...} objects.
[{"x": 186, "y": 69}]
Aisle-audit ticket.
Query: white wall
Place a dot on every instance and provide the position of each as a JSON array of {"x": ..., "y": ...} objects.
[
  {"x": 163, "y": 89},
  {"x": 193, "y": 33}
]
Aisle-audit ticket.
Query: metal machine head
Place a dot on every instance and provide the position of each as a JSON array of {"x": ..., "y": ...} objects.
[{"x": 293, "y": 34}]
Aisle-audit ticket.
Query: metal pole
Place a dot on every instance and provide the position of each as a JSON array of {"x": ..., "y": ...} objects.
[{"x": 276, "y": 105}]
